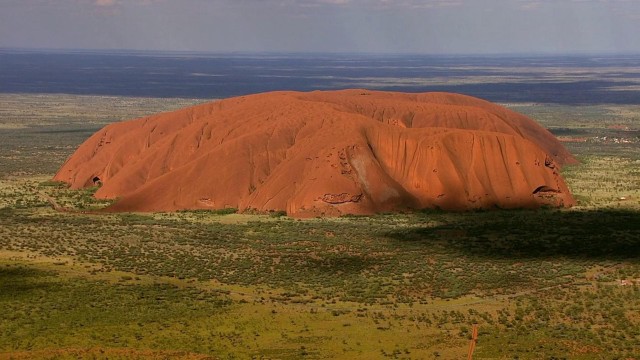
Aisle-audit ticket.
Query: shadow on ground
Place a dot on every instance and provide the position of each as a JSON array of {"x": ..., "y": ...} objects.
[
  {"x": 16, "y": 280},
  {"x": 604, "y": 234}
]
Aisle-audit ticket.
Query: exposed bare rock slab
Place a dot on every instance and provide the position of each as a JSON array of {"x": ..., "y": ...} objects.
[{"x": 326, "y": 153}]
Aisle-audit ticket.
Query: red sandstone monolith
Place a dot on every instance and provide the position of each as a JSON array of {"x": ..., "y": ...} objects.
[{"x": 325, "y": 153}]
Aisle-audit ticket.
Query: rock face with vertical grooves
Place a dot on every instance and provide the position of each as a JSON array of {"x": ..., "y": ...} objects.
[{"x": 325, "y": 153}]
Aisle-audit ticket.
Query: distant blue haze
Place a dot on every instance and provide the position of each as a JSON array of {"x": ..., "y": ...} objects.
[{"x": 577, "y": 79}]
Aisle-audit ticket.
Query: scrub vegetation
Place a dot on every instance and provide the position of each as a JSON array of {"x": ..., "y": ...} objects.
[{"x": 548, "y": 283}]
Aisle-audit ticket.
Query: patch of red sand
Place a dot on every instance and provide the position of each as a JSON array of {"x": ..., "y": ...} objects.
[
  {"x": 326, "y": 153},
  {"x": 572, "y": 139}
]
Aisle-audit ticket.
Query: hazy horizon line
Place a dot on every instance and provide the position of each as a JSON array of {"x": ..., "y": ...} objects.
[{"x": 116, "y": 51}]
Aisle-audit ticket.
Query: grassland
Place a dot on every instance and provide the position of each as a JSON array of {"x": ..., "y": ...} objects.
[{"x": 546, "y": 284}]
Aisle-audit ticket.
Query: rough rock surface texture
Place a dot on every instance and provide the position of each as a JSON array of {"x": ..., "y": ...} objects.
[{"x": 325, "y": 153}]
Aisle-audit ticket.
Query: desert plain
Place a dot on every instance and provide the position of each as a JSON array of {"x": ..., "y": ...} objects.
[{"x": 549, "y": 283}]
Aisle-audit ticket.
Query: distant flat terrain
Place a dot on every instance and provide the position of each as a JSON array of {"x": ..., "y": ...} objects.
[{"x": 577, "y": 79}]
